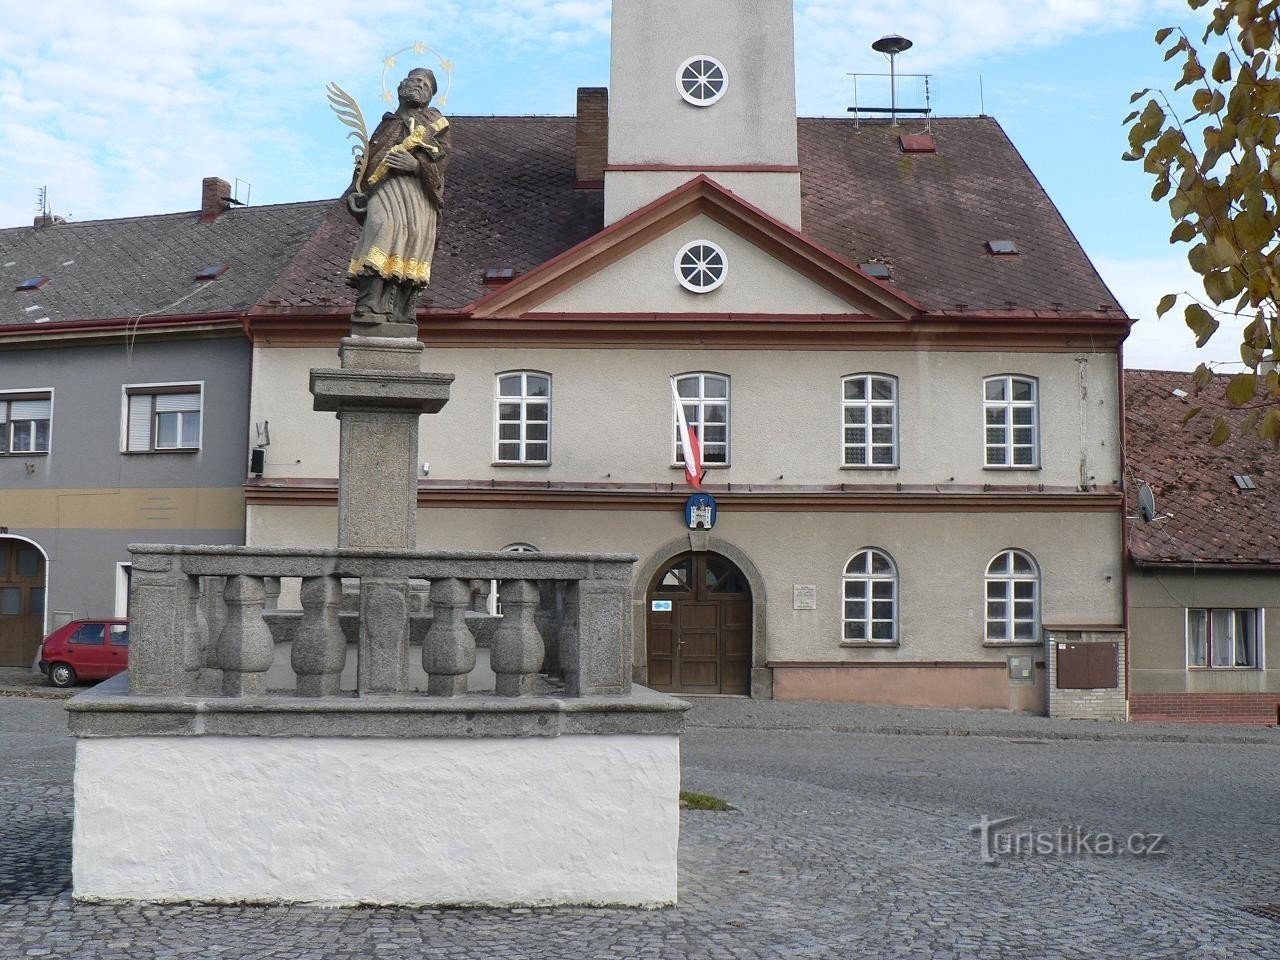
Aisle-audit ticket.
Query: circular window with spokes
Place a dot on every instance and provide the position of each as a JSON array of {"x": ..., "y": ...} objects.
[
  {"x": 701, "y": 266},
  {"x": 702, "y": 80}
]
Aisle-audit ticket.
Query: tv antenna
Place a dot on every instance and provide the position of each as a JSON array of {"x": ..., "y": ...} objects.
[
  {"x": 42, "y": 201},
  {"x": 891, "y": 45}
]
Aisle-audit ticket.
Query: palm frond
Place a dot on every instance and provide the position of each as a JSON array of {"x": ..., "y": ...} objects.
[{"x": 348, "y": 111}]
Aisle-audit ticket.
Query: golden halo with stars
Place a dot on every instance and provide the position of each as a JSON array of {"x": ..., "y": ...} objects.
[{"x": 418, "y": 49}]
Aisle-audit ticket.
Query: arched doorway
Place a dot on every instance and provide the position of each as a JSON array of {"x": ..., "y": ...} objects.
[
  {"x": 699, "y": 626},
  {"x": 22, "y": 601}
]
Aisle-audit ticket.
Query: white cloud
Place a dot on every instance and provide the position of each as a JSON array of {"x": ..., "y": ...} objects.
[{"x": 1165, "y": 343}]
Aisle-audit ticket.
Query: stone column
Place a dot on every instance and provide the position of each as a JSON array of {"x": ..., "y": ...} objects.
[{"x": 379, "y": 394}]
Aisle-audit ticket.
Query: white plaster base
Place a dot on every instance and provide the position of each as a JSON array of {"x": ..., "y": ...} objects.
[{"x": 557, "y": 820}]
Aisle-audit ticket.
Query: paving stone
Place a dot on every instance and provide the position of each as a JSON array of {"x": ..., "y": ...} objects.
[{"x": 830, "y": 851}]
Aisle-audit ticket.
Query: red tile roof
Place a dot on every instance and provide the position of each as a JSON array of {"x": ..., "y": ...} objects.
[
  {"x": 512, "y": 202},
  {"x": 1213, "y": 520}
]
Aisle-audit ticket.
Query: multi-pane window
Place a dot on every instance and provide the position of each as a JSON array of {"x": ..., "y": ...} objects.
[
  {"x": 524, "y": 417},
  {"x": 163, "y": 417},
  {"x": 705, "y": 397},
  {"x": 1013, "y": 598},
  {"x": 24, "y": 422},
  {"x": 1222, "y": 638},
  {"x": 870, "y": 421},
  {"x": 870, "y": 598},
  {"x": 1011, "y": 416}
]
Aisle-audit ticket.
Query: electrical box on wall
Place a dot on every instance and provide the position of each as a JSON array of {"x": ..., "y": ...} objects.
[{"x": 1022, "y": 667}]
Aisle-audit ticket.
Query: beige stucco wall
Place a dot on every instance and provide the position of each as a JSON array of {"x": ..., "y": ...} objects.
[
  {"x": 753, "y": 123},
  {"x": 645, "y": 281},
  {"x": 612, "y": 420},
  {"x": 776, "y": 193},
  {"x": 941, "y": 559},
  {"x": 1158, "y": 601}
]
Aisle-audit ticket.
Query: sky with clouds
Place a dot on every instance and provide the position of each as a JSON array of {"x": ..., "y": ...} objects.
[{"x": 121, "y": 108}]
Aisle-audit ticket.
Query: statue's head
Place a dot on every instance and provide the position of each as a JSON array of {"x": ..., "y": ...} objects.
[{"x": 418, "y": 87}]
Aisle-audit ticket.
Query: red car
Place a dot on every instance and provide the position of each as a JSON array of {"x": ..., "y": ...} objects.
[{"x": 85, "y": 650}]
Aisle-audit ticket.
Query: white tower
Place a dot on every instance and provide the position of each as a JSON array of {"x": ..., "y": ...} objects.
[{"x": 703, "y": 87}]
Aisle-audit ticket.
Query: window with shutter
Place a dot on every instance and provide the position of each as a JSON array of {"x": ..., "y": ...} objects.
[
  {"x": 25, "y": 421},
  {"x": 166, "y": 417}
]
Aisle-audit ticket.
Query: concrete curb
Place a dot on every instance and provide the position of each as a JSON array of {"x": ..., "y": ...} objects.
[{"x": 1000, "y": 733}]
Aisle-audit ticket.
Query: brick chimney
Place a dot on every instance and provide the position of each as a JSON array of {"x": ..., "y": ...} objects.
[
  {"x": 47, "y": 220},
  {"x": 214, "y": 196},
  {"x": 593, "y": 136}
]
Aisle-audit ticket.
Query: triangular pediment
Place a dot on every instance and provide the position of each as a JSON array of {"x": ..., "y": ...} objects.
[{"x": 629, "y": 267}]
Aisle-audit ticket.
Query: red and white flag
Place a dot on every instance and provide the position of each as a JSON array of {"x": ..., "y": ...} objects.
[{"x": 689, "y": 444}]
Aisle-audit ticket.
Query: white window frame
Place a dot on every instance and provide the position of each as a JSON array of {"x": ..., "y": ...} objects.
[
  {"x": 524, "y": 400},
  {"x": 698, "y": 421},
  {"x": 1259, "y": 638},
  {"x": 687, "y": 96},
  {"x": 868, "y": 406},
  {"x": 8, "y": 397},
  {"x": 679, "y": 266},
  {"x": 1008, "y": 406},
  {"x": 1009, "y": 579},
  {"x": 869, "y": 579},
  {"x": 124, "y": 571},
  {"x": 153, "y": 390}
]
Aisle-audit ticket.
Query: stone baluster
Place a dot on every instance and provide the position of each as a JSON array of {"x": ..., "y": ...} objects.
[
  {"x": 271, "y": 587},
  {"x": 449, "y": 649},
  {"x": 245, "y": 648},
  {"x": 320, "y": 648},
  {"x": 159, "y": 638},
  {"x": 517, "y": 646},
  {"x": 214, "y": 604},
  {"x": 547, "y": 619},
  {"x": 196, "y": 645},
  {"x": 596, "y": 656}
]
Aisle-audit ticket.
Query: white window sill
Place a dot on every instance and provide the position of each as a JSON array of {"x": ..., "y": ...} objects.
[
  {"x": 870, "y": 644},
  {"x": 882, "y": 467},
  {"x": 1020, "y": 468},
  {"x": 521, "y": 463},
  {"x": 1013, "y": 643},
  {"x": 705, "y": 466},
  {"x": 1222, "y": 669},
  {"x": 147, "y": 453},
  {"x": 25, "y": 453}
]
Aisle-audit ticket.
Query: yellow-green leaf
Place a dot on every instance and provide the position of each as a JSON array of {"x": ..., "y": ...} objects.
[
  {"x": 1221, "y": 433},
  {"x": 1242, "y": 388},
  {"x": 1166, "y": 304},
  {"x": 1191, "y": 415},
  {"x": 1163, "y": 34},
  {"x": 1270, "y": 427},
  {"x": 1222, "y": 68}
]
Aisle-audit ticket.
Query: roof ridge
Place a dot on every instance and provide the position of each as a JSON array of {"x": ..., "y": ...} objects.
[{"x": 163, "y": 216}]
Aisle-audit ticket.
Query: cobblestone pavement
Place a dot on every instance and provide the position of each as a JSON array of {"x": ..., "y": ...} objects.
[{"x": 842, "y": 845}]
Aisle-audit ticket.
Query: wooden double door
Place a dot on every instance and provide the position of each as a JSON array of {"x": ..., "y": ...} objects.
[
  {"x": 699, "y": 627},
  {"x": 21, "y": 602}
]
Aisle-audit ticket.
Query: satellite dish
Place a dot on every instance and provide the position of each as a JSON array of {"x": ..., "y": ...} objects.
[{"x": 1146, "y": 502}]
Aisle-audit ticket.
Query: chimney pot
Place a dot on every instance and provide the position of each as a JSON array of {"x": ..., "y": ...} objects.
[
  {"x": 214, "y": 194},
  {"x": 592, "y": 137}
]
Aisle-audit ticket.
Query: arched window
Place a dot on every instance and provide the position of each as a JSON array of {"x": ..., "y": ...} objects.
[
  {"x": 492, "y": 601},
  {"x": 871, "y": 598},
  {"x": 1011, "y": 415},
  {"x": 523, "y": 412},
  {"x": 706, "y": 406},
  {"x": 870, "y": 402},
  {"x": 1013, "y": 598}
]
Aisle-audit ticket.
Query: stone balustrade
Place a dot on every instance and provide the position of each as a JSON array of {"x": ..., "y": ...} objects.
[{"x": 566, "y": 623}]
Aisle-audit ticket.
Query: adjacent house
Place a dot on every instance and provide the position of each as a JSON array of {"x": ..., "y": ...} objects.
[
  {"x": 903, "y": 369},
  {"x": 124, "y": 396},
  {"x": 1204, "y": 579}
]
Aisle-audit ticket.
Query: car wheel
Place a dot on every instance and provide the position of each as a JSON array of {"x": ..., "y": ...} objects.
[{"x": 61, "y": 674}]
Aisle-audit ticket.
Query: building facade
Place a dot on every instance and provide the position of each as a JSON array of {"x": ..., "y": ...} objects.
[
  {"x": 1204, "y": 579},
  {"x": 124, "y": 397},
  {"x": 903, "y": 370}
]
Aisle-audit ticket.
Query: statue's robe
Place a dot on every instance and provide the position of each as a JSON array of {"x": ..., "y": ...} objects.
[{"x": 402, "y": 223}]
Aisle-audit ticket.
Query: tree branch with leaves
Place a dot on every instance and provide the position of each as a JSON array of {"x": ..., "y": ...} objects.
[{"x": 1219, "y": 167}]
